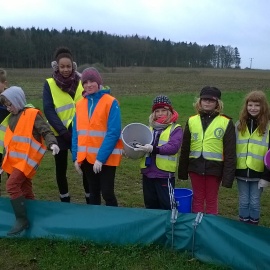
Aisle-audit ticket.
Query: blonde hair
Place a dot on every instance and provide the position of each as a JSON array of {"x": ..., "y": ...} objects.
[
  {"x": 264, "y": 115},
  {"x": 198, "y": 107},
  {"x": 3, "y": 75}
]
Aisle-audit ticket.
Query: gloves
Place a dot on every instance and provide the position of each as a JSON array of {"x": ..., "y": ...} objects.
[
  {"x": 97, "y": 166},
  {"x": 78, "y": 167},
  {"x": 147, "y": 148},
  {"x": 262, "y": 183},
  {"x": 55, "y": 149},
  {"x": 67, "y": 137}
]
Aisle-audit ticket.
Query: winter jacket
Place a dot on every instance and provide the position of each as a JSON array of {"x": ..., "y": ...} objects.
[{"x": 224, "y": 169}]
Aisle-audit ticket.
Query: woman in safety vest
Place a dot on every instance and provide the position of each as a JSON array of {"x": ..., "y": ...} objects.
[
  {"x": 60, "y": 94},
  {"x": 96, "y": 144},
  {"x": 208, "y": 152},
  {"x": 159, "y": 164},
  {"x": 252, "y": 138},
  {"x": 4, "y": 113},
  {"x": 24, "y": 150}
]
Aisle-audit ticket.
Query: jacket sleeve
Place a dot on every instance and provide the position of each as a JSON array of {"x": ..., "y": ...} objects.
[
  {"x": 184, "y": 155},
  {"x": 229, "y": 152},
  {"x": 49, "y": 110},
  {"x": 266, "y": 172},
  {"x": 113, "y": 133}
]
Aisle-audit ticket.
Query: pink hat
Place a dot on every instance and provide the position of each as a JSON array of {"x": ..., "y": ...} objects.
[{"x": 91, "y": 74}]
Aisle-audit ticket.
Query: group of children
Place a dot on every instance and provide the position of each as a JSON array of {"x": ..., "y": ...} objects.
[{"x": 84, "y": 118}]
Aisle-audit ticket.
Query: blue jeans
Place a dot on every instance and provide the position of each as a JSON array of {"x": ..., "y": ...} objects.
[{"x": 249, "y": 200}]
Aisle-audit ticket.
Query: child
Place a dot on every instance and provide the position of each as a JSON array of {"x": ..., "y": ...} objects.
[
  {"x": 252, "y": 139},
  {"x": 159, "y": 167},
  {"x": 96, "y": 147},
  {"x": 208, "y": 151},
  {"x": 24, "y": 147},
  {"x": 3, "y": 116}
]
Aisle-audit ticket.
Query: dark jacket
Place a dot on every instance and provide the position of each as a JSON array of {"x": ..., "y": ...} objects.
[
  {"x": 223, "y": 169},
  {"x": 249, "y": 173}
]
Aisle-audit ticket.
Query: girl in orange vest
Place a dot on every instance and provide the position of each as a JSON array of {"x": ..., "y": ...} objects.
[
  {"x": 96, "y": 147},
  {"x": 24, "y": 150}
]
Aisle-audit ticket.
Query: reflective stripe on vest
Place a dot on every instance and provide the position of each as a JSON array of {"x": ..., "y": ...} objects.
[
  {"x": 3, "y": 127},
  {"x": 23, "y": 151},
  {"x": 166, "y": 163},
  {"x": 91, "y": 132},
  {"x": 251, "y": 149},
  {"x": 63, "y": 103},
  {"x": 209, "y": 144}
]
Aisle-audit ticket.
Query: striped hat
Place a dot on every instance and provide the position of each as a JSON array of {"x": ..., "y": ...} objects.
[{"x": 162, "y": 102}]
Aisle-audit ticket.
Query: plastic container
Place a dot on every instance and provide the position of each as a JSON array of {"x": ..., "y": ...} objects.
[
  {"x": 183, "y": 199},
  {"x": 135, "y": 133}
]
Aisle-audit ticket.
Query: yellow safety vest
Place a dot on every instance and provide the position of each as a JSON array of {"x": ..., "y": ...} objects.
[
  {"x": 164, "y": 162},
  {"x": 209, "y": 144},
  {"x": 3, "y": 127},
  {"x": 63, "y": 103},
  {"x": 251, "y": 149}
]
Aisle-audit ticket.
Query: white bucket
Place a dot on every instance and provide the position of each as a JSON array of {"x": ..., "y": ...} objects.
[{"x": 135, "y": 133}]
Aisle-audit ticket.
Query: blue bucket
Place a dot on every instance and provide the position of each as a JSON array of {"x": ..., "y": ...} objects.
[{"x": 183, "y": 199}]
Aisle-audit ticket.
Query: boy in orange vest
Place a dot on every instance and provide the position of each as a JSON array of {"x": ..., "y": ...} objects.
[{"x": 24, "y": 150}]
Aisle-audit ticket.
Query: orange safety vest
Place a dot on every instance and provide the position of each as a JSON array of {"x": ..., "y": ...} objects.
[
  {"x": 91, "y": 132},
  {"x": 23, "y": 151}
]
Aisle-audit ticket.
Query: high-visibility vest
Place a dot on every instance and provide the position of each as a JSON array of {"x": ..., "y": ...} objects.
[
  {"x": 23, "y": 151},
  {"x": 209, "y": 144},
  {"x": 3, "y": 127},
  {"x": 91, "y": 132},
  {"x": 164, "y": 162},
  {"x": 63, "y": 103},
  {"x": 251, "y": 149}
]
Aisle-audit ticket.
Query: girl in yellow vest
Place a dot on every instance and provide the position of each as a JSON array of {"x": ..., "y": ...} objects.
[
  {"x": 252, "y": 138},
  {"x": 24, "y": 150},
  {"x": 60, "y": 94},
  {"x": 159, "y": 165},
  {"x": 208, "y": 151},
  {"x": 3, "y": 116},
  {"x": 96, "y": 144}
]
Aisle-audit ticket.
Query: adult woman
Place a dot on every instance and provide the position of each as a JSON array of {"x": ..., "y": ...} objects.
[{"x": 60, "y": 94}]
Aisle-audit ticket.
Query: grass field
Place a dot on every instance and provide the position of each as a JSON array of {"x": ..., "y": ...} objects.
[{"x": 135, "y": 89}]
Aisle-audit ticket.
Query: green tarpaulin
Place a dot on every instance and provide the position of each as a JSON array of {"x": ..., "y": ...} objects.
[{"x": 215, "y": 239}]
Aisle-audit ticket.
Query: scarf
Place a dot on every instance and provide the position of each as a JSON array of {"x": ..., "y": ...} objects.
[
  {"x": 163, "y": 122},
  {"x": 68, "y": 85}
]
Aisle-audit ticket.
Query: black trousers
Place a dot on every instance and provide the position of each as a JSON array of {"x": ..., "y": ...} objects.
[
  {"x": 61, "y": 163},
  {"x": 158, "y": 193},
  {"x": 100, "y": 184}
]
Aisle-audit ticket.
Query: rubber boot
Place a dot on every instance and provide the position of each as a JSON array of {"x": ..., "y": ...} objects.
[{"x": 22, "y": 222}]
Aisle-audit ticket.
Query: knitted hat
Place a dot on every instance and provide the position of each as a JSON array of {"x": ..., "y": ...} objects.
[
  {"x": 162, "y": 102},
  {"x": 91, "y": 74},
  {"x": 210, "y": 92}
]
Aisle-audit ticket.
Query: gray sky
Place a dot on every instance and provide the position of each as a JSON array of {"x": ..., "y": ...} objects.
[{"x": 244, "y": 24}]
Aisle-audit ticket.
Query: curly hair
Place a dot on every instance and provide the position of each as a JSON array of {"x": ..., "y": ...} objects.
[
  {"x": 62, "y": 52},
  {"x": 264, "y": 115}
]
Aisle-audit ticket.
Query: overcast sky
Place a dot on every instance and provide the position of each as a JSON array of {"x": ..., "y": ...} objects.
[{"x": 244, "y": 24}]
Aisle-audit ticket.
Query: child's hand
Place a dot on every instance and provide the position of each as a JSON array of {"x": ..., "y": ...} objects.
[
  {"x": 97, "y": 166},
  {"x": 78, "y": 167},
  {"x": 55, "y": 149},
  {"x": 147, "y": 148}
]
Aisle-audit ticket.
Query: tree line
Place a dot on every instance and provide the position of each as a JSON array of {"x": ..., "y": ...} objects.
[{"x": 34, "y": 48}]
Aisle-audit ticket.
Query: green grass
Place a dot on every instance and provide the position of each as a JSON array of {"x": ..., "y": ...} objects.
[{"x": 135, "y": 91}]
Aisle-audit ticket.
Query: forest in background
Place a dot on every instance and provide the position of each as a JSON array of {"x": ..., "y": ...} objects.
[{"x": 34, "y": 48}]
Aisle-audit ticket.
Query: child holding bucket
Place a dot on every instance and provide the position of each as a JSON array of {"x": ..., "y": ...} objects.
[
  {"x": 159, "y": 163},
  {"x": 252, "y": 143},
  {"x": 208, "y": 151}
]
